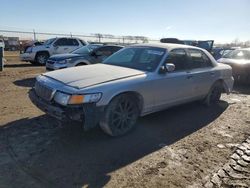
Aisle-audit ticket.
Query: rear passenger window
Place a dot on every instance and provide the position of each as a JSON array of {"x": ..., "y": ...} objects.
[
  {"x": 72, "y": 42},
  {"x": 198, "y": 59},
  {"x": 83, "y": 43},
  {"x": 61, "y": 42},
  {"x": 178, "y": 57},
  {"x": 115, "y": 49}
]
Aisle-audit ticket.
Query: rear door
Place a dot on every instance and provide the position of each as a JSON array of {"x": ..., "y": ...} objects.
[
  {"x": 65, "y": 45},
  {"x": 174, "y": 87},
  {"x": 201, "y": 72},
  {"x": 72, "y": 44}
]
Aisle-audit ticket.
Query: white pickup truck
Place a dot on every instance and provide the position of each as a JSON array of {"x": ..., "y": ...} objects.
[{"x": 40, "y": 54}]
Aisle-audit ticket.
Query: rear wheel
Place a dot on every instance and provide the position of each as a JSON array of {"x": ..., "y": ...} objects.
[
  {"x": 214, "y": 94},
  {"x": 120, "y": 116}
]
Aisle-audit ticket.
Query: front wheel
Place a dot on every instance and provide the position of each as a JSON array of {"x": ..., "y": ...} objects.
[
  {"x": 120, "y": 116},
  {"x": 214, "y": 94},
  {"x": 41, "y": 58}
]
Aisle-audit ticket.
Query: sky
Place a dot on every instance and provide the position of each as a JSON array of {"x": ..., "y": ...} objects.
[{"x": 221, "y": 20}]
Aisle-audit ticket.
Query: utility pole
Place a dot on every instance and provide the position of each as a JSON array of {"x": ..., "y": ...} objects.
[{"x": 34, "y": 34}]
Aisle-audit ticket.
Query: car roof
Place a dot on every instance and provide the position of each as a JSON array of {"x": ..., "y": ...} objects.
[{"x": 168, "y": 46}]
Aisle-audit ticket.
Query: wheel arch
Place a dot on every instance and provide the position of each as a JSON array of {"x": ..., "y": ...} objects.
[
  {"x": 139, "y": 98},
  {"x": 42, "y": 51},
  {"x": 82, "y": 63},
  {"x": 224, "y": 85}
]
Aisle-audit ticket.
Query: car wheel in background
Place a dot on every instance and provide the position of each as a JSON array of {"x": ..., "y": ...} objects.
[
  {"x": 41, "y": 58},
  {"x": 214, "y": 94},
  {"x": 120, "y": 115}
]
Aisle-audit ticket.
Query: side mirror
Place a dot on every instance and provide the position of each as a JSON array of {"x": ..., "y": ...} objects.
[
  {"x": 163, "y": 69},
  {"x": 169, "y": 67}
]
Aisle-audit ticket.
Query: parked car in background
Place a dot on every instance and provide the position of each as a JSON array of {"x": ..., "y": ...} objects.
[
  {"x": 205, "y": 44},
  {"x": 41, "y": 53},
  {"x": 25, "y": 44},
  {"x": 11, "y": 43},
  {"x": 220, "y": 52},
  {"x": 2, "y": 43},
  {"x": 239, "y": 60},
  {"x": 135, "y": 81},
  {"x": 90, "y": 54}
]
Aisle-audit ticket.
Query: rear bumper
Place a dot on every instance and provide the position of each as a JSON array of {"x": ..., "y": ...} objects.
[{"x": 89, "y": 114}]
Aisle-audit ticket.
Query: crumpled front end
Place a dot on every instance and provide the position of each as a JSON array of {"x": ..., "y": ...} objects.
[{"x": 89, "y": 114}]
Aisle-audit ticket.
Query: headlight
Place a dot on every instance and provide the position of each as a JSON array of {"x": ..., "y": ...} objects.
[
  {"x": 64, "y": 61},
  {"x": 65, "y": 99},
  {"x": 61, "y": 98}
]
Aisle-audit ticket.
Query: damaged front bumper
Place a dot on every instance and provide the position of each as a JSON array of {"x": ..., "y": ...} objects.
[{"x": 89, "y": 114}]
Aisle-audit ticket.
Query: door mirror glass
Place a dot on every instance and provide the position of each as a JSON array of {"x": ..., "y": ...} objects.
[{"x": 170, "y": 67}]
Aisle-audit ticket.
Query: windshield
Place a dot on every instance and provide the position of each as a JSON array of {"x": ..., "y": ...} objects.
[
  {"x": 141, "y": 58},
  {"x": 48, "y": 42},
  {"x": 238, "y": 54}
]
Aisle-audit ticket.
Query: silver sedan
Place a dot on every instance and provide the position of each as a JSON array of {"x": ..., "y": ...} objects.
[{"x": 135, "y": 81}]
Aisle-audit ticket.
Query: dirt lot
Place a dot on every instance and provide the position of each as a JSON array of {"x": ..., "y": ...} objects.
[{"x": 186, "y": 146}]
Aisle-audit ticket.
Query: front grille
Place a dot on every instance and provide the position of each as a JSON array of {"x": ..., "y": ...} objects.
[
  {"x": 51, "y": 62},
  {"x": 44, "y": 91}
]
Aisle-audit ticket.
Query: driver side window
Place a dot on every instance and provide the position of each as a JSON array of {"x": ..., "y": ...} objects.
[{"x": 178, "y": 57}]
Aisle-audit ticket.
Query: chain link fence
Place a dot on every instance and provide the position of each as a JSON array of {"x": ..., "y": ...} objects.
[{"x": 14, "y": 38}]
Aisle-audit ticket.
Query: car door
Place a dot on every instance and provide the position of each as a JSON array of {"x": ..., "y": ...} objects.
[
  {"x": 174, "y": 87},
  {"x": 72, "y": 44},
  {"x": 201, "y": 72},
  {"x": 65, "y": 45}
]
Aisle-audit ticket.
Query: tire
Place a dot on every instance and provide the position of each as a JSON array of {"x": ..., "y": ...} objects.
[
  {"x": 41, "y": 58},
  {"x": 120, "y": 116},
  {"x": 214, "y": 94}
]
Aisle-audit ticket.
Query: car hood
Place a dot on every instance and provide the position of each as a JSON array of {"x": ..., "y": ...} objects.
[
  {"x": 60, "y": 57},
  {"x": 90, "y": 75},
  {"x": 233, "y": 61}
]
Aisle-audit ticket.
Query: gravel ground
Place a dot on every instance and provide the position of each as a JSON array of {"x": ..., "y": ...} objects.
[{"x": 185, "y": 146}]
